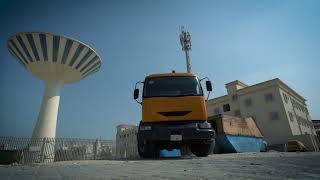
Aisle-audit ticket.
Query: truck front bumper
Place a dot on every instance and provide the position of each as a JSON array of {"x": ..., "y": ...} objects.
[{"x": 176, "y": 132}]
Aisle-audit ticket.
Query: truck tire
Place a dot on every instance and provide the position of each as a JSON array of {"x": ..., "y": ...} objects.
[
  {"x": 145, "y": 150},
  {"x": 148, "y": 150},
  {"x": 202, "y": 149},
  {"x": 216, "y": 150},
  {"x": 212, "y": 146}
]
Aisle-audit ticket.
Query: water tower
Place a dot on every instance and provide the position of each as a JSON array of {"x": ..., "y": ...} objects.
[{"x": 56, "y": 60}]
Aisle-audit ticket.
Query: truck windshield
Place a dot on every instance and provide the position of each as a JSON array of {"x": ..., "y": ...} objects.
[{"x": 172, "y": 86}]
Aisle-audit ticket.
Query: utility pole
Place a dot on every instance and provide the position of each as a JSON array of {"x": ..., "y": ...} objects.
[{"x": 185, "y": 41}]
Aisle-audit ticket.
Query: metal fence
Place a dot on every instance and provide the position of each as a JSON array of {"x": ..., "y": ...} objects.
[{"x": 31, "y": 150}]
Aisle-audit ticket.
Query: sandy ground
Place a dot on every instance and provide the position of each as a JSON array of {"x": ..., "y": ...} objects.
[{"x": 271, "y": 165}]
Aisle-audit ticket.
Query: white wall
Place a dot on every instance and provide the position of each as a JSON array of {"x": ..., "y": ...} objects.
[{"x": 126, "y": 142}]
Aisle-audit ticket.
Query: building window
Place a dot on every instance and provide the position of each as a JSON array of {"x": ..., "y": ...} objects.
[
  {"x": 285, "y": 97},
  {"x": 226, "y": 107},
  {"x": 295, "y": 104},
  {"x": 268, "y": 97},
  {"x": 274, "y": 115},
  {"x": 305, "y": 110},
  {"x": 248, "y": 102},
  {"x": 291, "y": 116},
  {"x": 234, "y": 97},
  {"x": 298, "y": 119},
  {"x": 216, "y": 110},
  {"x": 301, "y": 108},
  {"x": 237, "y": 113},
  {"x": 292, "y": 102}
]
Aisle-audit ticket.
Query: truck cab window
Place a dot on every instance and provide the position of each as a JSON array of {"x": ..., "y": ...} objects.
[{"x": 172, "y": 86}]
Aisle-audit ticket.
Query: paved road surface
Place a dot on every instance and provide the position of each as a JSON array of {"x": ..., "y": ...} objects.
[{"x": 271, "y": 165}]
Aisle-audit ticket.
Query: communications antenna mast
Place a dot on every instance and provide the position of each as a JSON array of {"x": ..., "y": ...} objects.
[{"x": 185, "y": 41}]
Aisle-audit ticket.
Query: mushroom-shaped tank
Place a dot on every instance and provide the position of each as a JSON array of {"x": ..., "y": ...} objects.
[{"x": 56, "y": 60}]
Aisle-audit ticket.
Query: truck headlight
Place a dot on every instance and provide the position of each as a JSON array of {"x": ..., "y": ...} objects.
[
  {"x": 145, "y": 128},
  {"x": 204, "y": 125}
]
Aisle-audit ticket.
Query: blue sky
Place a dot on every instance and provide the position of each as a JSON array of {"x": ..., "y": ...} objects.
[{"x": 251, "y": 41}]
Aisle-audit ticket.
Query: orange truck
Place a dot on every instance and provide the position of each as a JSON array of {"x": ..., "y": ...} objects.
[{"x": 174, "y": 115}]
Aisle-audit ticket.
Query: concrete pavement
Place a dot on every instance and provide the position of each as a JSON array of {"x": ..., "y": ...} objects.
[{"x": 271, "y": 165}]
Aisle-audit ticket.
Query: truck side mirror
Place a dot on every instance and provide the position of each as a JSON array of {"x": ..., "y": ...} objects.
[
  {"x": 136, "y": 94},
  {"x": 208, "y": 86}
]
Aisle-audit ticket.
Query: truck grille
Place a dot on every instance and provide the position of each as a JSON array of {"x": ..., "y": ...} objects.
[{"x": 174, "y": 113}]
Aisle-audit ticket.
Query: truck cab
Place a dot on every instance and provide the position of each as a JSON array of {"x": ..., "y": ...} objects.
[{"x": 174, "y": 115}]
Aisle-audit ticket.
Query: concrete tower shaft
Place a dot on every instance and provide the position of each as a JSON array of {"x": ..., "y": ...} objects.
[{"x": 47, "y": 118}]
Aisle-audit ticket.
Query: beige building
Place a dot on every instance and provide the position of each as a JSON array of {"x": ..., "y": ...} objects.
[
  {"x": 280, "y": 112},
  {"x": 316, "y": 124},
  {"x": 126, "y": 142}
]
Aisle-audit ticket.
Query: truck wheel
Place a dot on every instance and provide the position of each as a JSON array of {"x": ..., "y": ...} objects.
[
  {"x": 217, "y": 150},
  {"x": 146, "y": 150},
  {"x": 212, "y": 146},
  {"x": 202, "y": 149}
]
